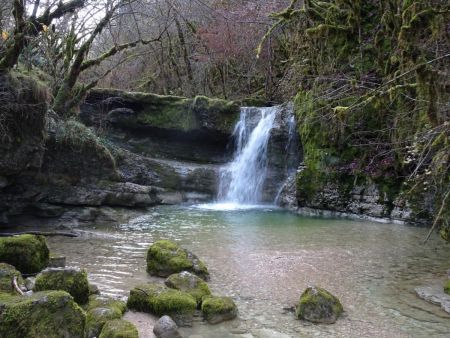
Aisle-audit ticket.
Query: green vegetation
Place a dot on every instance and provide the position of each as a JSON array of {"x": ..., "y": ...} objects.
[
  {"x": 218, "y": 309},
  {"x": 166, "y": 257},
  {"x": 119, "y": 328},
  {"x": 189, "y": 283},
  {"x": 73, "y": 281},
  {"x": 447, "y": 287},
  {"x": 7, "y": 273},
  {"x": 27, "y": 253},
  {"x": 160, "y": 300},
  {"x": 319, "y": 306},
  {"x": 51, "y": 314}
]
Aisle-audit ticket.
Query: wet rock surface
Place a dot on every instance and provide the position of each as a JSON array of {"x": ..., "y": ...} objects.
[
  {"x": 435, "y": 295},
  {"x": 317, "y": 305},
  {"x": 165, "y": 327}
]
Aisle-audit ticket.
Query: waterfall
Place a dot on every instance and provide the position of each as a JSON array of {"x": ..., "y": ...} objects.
[{"x": 242, "y": 180}]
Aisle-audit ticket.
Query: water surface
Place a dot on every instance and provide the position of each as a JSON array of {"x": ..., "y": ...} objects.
[{"x": 264, "y": 258}]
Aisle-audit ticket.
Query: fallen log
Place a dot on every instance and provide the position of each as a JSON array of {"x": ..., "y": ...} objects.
[
  {"x": 42, "y": 233},
  {"x": 16, "y": 286}
]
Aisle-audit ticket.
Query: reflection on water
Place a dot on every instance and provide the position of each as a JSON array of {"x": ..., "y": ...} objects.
[{"x": 265, "y": 258}]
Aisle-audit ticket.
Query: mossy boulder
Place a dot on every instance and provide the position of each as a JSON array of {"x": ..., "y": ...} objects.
[
  {"x": 71, "y": 280},
  {"x": 160, "y": 300},
  {"x": 7, "y": 274},
  {"x": 50, "y": 314},
  {"x": 447, "y": 287},
  {"x": 190, "y": 283},
  {"x": 119, "y": 328},
  {"x": 318, "y": 306},
  {"x": 100, "y": 310},
  {"x": 218, "y": 309},
  {"x": 166, "y": 257},
  {"x": 27, "y": 253}
]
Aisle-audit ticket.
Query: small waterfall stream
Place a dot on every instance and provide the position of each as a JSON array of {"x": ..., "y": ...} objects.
[{"x": 242, "y": 181}]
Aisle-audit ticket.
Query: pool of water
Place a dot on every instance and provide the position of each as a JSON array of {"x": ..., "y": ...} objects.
[{"x": 264, "y": 258}]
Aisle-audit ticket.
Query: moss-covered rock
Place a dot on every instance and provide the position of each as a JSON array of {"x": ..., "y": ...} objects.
[
  {"x": 190, "y": 283},
  {"x": 160, "y": 300},
  {"x": 50, "y": 314},
  {"x": 166, "y": 257},
  {"x": 218, "y": 309},
  {"x": 71, "y": 280},
  {"x": 7, "y": 274},
  {"x": 447, "y": 287},
  {"x": 318, "y": 306},
  {"x": 100, "y": 310},
  {"x": 27, "y": 253},
  {"x": 119, "y": 328}
]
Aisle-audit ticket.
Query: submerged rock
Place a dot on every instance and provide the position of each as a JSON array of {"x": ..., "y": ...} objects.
[
  {"x": 435, "y": 295},
  {"x": 166, "y": 257},
  {"x": 190, "y": 283},
  {"x": 100, "y": 310},
  {"x": 50, "y": 314},
  {"x": 218, "y": 309},
  {"x": 27, "y": 253},
  {"x": 7, "y": 274},
  {"x": 119, "y": 328},
  {"x": 71, "y": 280},
  {"x": 57, "y": 262},
  {"x": 447, "y": 287},
  {"x": 317, "y": 305},
  {"x": 165, "y": 327},
  {"x": 160, "y": 300},
  {"x": 106, "y": 302}
]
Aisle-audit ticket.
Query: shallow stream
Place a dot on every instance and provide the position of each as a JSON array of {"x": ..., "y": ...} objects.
[{"x": 264, "y": 258}]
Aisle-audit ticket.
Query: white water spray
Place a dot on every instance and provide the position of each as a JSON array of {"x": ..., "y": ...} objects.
[{"x": 242, "y": 181}]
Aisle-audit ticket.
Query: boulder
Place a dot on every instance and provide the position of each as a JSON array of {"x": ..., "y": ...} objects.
[
  {"x": 27, "y": 253},
  {"x": 160, "y": 300},
  {"x": 7, "y": 273},
  {"x": 165, "y": 327},
  {"x": 318, "y": 306},
  {"x": 218, "y": 309},
  {"x": 190, "y": 283},
  {"x": 57, "y": 262},
  {"x": 166, "y": 257},
  {"x": 119, "y": 328},
  {"x": 50, "y": 314},
  {"x": 71, "y": 280},
  {"x": 100, "y": 310}
]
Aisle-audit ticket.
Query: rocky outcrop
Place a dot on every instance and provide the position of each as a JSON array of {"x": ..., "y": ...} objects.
[
  {"x": 190, "y": 283},
  {"x": 218, "y": 309}
]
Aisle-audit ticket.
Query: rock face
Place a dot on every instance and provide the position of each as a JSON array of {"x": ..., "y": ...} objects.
[
  {"x": 166, "y": 257},
  {"x": 160, "y": 300},
  {"x": 7, "y": 273},
  {"x": 119, "y": 328},
  {"x": 218, "y": 309},
  {"x": 51, "y": 314},
  {"x": 165, "y": 327},
  {"x": 72, "y": 280},
  {"x": 28, "y": 253},
  {"x": 318, "y": 306},
  {"x": 190, "y": 283}
]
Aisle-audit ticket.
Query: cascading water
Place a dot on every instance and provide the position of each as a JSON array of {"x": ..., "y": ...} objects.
[{"x": 242, "y": 181}]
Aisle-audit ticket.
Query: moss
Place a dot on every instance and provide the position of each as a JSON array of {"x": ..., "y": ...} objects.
[
  {"x": 189, "y": 283},
  {"x": 160, "y": 300},
  {"x": 447, "y": 287},
  {"x": 319, "y": 306},
  {"x": 165, "y": 258},
  {"x": 27, "y": 253},
  {"x": 119, "y": 328},
  {"x": 106, "y": 302},
  {"x": 96, "y": 319},
  {"x": 73, "y": 281},
  {"x": 51, "y": 314},
  {"x": 217, "y": 309},
  {"x": 7, "y": 274}
]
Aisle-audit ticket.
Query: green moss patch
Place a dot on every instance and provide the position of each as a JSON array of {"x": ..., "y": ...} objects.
[
  {"x": 73, "y": 281},
  {"x": 27, "y": 253},
  {"x": 50, "y": 314},
  {"x": 317, "y": 305},
  {"x": 119, "y": 328},
  {"x": 7, "y": 274},
  {"x": 218, "y": 309},
  {"x": 160, "y": 300},
  {"x": 166, "y": 257},
  {"x": 189, "y": 283},
  {"x": 447, "y": 287}
]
